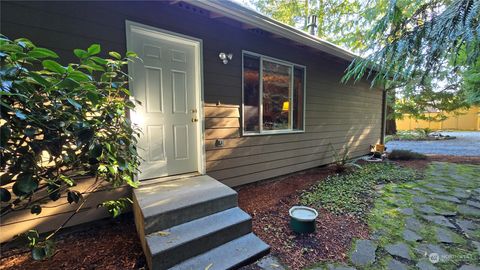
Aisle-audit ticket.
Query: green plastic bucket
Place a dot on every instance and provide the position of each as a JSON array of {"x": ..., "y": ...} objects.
[{"x": 302, "y": 219}]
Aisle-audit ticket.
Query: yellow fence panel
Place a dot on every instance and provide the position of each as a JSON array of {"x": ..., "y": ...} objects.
[{"x": 465, "y": 120}]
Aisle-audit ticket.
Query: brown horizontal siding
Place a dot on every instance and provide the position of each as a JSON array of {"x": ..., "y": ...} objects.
[{"x": 336, "y": 113}]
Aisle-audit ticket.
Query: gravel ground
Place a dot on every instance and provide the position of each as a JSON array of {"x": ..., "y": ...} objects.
[{"x": 467, "y": 143}]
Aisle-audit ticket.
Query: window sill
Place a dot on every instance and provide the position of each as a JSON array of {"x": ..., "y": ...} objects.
[{"x": 269, "y": 133}]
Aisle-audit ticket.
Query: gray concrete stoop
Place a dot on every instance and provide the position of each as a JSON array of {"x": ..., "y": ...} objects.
[{"x": 194, "y": 223}]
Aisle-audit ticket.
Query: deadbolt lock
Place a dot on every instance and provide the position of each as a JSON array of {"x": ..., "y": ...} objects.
[{"x": 194, "y": 110}]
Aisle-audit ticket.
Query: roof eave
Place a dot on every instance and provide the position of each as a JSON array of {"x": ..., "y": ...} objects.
[{"x": 245, "y": 15}]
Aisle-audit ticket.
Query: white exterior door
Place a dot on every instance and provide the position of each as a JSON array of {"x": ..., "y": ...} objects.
[{"x": 165, "y": 82}]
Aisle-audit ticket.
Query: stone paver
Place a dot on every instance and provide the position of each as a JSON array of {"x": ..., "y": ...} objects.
[
  {"x": 445, "y": 236},
  {"x": 407, "y": 211},
  {"x": 409, "y": 235},
  {"x": 399, "y": 249},
  {"x": 446, "y": 198},
  {"x": 469, "y": 267},
  {"x": 426, "y": 249},
  {"x": 396, "y": 265},
  {"x": 439, "y": 220},
  {"x": 469, "y": 211},
  {"x": 364, "y": 253},
  {"x": 419, "y": 199},
  {"x": 473, "y": 203},
  {"x": 427, "y": 209},
  {"x": 425, "y": 264},
  {"x": 270, "y": 263},
  {"x": 339, "y": 267},
  {"x": 413, "y": 224},
  {"x": 467, "y": 226}
]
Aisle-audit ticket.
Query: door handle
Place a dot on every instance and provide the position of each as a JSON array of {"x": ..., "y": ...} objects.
[{"x": 194, "y": 120}]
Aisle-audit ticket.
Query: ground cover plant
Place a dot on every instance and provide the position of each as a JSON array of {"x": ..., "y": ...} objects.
[{"x": 354, "y": 192}]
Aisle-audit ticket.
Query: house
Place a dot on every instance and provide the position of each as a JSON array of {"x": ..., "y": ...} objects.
[{"x": 227, "y": 94}]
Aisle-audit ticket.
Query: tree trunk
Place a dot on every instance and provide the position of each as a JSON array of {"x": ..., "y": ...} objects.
[{"x": 390, "y": 125}]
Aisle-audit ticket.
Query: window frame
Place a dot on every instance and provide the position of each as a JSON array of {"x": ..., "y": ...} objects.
[{"x": 261, "y": 131}]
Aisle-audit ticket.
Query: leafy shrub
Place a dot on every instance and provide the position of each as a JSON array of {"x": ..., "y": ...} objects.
[
  {"x": 353, "y": 193},
  {"x": 60, "y": 124},
  {"x": 405, "y": 155}
]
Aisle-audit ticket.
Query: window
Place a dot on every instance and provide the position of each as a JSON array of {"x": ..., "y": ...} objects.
[{"x": 273, "y": 95}]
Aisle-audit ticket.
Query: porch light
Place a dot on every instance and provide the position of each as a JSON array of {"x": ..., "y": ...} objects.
[{"x": 225, "y": 57}]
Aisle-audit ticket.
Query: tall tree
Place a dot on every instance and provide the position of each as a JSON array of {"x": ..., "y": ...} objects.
[{"x": 427, "y": 51}]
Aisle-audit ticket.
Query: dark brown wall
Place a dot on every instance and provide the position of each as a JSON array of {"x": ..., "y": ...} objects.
[{"x": 335, "y": 113}]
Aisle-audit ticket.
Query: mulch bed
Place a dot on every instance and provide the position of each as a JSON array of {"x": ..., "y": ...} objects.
[
  {"x": 269, "y": 202},
  {"x": 109, "y": 244}
]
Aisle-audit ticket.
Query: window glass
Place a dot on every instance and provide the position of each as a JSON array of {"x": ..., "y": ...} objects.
[
  {"x": 276, "y": 95},
  {"x": 251, "y": 93},
  {"x": 273, "y": 95},
  {"x": 298, "y": 98}
]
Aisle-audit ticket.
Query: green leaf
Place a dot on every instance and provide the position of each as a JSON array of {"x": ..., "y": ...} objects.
[
  {"x": 6, "y": 178},
  {"x": 39, "y": 79},
  {"x": 24, "y": 184},
  {"x": 74, "y": 196},
  {"x": 36, "y": 209},
  {"x": 30, "y": 132},
  {"x": 67, "y": 180},
  {"x": 10, "y": 48},
  {"x": 54, "y": 66},
  {"x": 39, "y": 253},
  {"x": 94, "y": 49},
  {"x": 93, "y": 66},
  {"x": 93, "y": 97},
  {"x": 79, "y": 76},
  {"x": 5, "y": 195},
  {"x": 5, "y": 134},
  {"x": 80, "y": 53},
  {"x": 42, "y": 53},
  {"x": 99, "y": 60},
  {"x": 68, "y": 83},
  {"x": 131, "y": 54},
  {"x": 122, "y": 163},
  {"x": 95, "y": 150},
  {"x": 75, "y": 104},
  {"x": 115, "y": 55}
]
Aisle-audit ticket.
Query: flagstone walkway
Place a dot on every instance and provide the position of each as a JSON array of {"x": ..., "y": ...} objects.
[{"x": 430, "y": 223}]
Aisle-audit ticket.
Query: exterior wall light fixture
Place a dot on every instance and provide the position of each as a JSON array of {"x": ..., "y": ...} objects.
[{"x": 225, "y": 57}]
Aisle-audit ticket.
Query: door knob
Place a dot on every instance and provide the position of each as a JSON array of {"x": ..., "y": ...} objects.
[{"x": 194, "y": 120}]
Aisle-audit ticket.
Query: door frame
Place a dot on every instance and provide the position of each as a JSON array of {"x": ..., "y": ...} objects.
[{"x": 134, "y": 27}]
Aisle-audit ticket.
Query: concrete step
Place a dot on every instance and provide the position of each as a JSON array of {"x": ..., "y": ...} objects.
[
  {"x": 231, "y": 255},
  {"x": 181, "y": 242},
  {"x": 167, "y": 204}
]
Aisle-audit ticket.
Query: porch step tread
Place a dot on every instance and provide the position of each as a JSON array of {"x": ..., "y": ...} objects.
[
  {"x": 207, "y": 230},
  {"x": 171, "y": 203},
  {"x": 171, "y": 195},
  {"x": 231, "y": 255}
]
